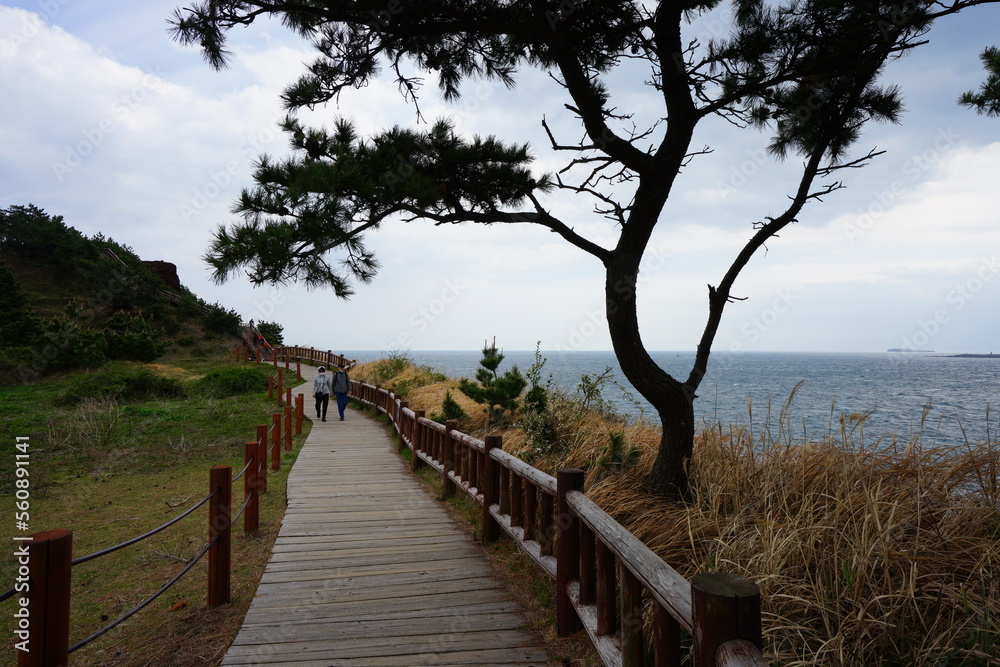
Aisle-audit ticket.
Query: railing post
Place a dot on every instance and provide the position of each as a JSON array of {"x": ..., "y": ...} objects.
[
  {"x": 298, "y": 367},
  {"x": 419, "y": 432},
  {"x": 280, "y": 388},
  {"x": 568, "y": 550},
  {"x": 491, "y": 488},
  {"x": 219, "y": 509},
  {"x": 724, "y": 607},
  {"x": 251, "y": 515},
  {"x": 666, "y": 637},
  {"x": 47, "y": 562},
  {"x": 631, "y": 615},
  {"x": 448, "y": 461},
  {"x": 606, "y": 590},
  {"x": 287, "y": 360},
  {"x": 288, "y": 395},
  {"x": 588, "y": 565},
  {"x": 300, "y": 412},
  {"x": 276, "y": 441},
  {"x": 261, "y": 464},
  {"x": 288, "y": 425},
  {"x": 403, "y": 427},
  {"x": 517, "y": 501}
]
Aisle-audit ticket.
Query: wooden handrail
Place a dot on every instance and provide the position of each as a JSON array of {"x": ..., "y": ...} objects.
[{"x": 601, "y": 569}]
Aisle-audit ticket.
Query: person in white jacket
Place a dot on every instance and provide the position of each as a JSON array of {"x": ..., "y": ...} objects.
[{"x": 321, "y": 392}]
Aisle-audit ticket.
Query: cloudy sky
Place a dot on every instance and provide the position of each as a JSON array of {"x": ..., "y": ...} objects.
[{"x": 107, "y": 122}]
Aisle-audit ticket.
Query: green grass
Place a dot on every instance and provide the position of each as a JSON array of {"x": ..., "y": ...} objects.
[{"x": 110, "y": 467}]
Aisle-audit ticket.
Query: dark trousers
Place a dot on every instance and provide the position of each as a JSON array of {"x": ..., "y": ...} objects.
[
  {"x": 322, "y": 402},
  {"x": 341, "y": 402}
]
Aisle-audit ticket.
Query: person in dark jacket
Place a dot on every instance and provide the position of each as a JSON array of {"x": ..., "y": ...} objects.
[{"x": 341, "y": 384}]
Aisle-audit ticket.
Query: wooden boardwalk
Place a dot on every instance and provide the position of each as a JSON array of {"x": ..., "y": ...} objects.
[{"x": 369, "y": 570}]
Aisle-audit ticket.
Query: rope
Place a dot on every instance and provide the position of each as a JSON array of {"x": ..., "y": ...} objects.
[
  {"x": 245, "y": 468},
  {"x": 236, "y": 518},
  {"x": 145, "y": 602},
  {"x": 9, "y": 594},
  {"x": 105, "y": 552}
]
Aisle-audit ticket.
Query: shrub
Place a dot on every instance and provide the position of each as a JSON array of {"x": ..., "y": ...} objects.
[
  {"x": 120, "y": 381},
  {"x": 132, "y": 338},
  {"x": 450, "y": 410},
  {"x": 235, "y": 380},
  {"x": 272, "y": 332},
  {"x": 222, "y": 320},
  {"x": 497, "y": 393}
]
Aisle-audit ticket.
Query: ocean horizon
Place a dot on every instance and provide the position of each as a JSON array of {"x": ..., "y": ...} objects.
[{"x": 946, "y": 399}]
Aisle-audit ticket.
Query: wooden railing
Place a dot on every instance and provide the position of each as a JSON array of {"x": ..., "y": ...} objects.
[
  {"x": 48, "y": 556},
  {"x": 603, "y": 573},
  {"x": 284, "y": 354}
]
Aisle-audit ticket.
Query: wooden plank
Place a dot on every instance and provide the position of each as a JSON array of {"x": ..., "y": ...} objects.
[{"x": 369, "y": 570}]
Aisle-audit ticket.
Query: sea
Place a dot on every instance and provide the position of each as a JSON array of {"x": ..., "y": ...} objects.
[{"x": 946, "y": 400}]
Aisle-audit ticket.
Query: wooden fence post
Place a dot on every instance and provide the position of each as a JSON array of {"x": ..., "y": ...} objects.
[
  {"x": 448, "y": 460},
  {"x": 567, "y": 550},
  {"x": 419, "y": 431},
  {"x": 280, "y": 388},
  {"x": 276, "y": 441},
  {"x": 298, "y": 367},
  {"x": 47, "y": 562},
  {"x": 261, "y": 464},
  {"x": 491, "y": 489},
  {"x": 288, "y": 395},
  {"x": 288, "y": 425},
  {"x": 631, "y": 615},
  {"x": 300, "y": 412},
  {"x": 724, "y": 607},
  {"x": 404, "y": 425},
  {"x": 219, "y": 512},
  {"x": 251, "y": 515}
]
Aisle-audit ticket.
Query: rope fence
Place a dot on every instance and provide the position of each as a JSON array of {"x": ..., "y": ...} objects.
[{"x": 49, "y": 553}]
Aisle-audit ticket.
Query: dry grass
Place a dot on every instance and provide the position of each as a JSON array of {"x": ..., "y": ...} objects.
[{"x": 866, "y": 551}]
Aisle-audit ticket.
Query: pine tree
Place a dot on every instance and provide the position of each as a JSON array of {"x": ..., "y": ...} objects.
[
  {"x": 497, "y": 393},
  {"x": 810, "y": 73},
  {"x": 987, "y": 99}
]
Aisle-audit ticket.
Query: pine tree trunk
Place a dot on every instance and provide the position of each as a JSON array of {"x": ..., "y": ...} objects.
[{"x": 672, "y": 400}]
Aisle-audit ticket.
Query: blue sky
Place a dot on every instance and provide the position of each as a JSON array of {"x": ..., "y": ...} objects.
[{"x": 107, "y": 122}]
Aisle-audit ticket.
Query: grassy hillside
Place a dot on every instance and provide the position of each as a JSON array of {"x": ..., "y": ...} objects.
[{"x": 126, "y": 399}]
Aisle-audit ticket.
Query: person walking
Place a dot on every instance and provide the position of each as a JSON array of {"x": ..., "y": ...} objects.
[
  {"x": 321, "y": 392},
  {"x": 341, "y": 384}
]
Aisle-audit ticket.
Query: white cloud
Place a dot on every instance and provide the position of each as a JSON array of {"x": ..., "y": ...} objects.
[{"x": 159, "y": 150}]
